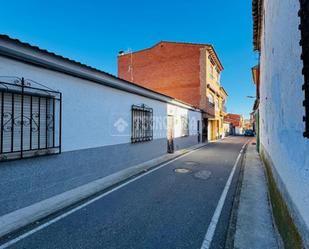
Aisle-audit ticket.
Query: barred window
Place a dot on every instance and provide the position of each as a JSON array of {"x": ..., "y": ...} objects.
[
  {"x": 142, "y": 124},
  {"x": 184, "y": 126},
  {"x": 304, "y": 28},
  {"x": 30, "y": 121}
]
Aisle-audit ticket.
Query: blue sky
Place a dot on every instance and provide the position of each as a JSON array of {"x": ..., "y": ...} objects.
[{"x": 94, "y": 31}]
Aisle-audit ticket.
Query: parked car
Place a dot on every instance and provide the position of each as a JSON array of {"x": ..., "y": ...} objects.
[{"x": 249, "y": 133}]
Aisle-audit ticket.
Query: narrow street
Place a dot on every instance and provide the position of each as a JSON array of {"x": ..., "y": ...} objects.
[
  {"x": 129, "y": 125},
  {"x": 162, "y": 209}
]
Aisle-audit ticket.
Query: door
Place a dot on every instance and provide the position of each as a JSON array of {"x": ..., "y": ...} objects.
[
  {"x": 205, "y": 130},
  {"x": 170, "y": 134},
  {"x": 198, "y": 131}
]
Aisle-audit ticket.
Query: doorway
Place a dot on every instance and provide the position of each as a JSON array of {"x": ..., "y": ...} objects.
[
  {"x": 198, "y": 131},
  {"x": 205, "y": 130}
]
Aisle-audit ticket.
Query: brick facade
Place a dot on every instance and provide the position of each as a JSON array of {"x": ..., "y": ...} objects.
[
  {"x": 234, "y": 119},
  {"x": 186, "y": 71},
  {"x": 170, "y": 68}
]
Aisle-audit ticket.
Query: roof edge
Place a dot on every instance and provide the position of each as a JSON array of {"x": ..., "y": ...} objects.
[
  {"x": 164, "y": 41},
  {"x": 17, "y": 50},
  {"x": 257, "y": 9},
  {"x": 206, "y": 45}
]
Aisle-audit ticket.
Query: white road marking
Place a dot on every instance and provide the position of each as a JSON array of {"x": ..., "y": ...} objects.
[
  {"x": 25, "y": 235},
  {"x": 215, "y": 218},
  {"x": 211, "y": 228}
]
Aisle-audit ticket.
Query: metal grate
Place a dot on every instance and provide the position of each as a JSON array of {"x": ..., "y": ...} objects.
[
  {"x": 142, "y": 124},
  {"x": 30, "y": 120},
  {"x": 304, "y": 28}
]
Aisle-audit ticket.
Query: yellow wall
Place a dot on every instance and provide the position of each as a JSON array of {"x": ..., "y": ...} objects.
[
  {"x": 213, "y": 79},
  {"x": 212, "y": 76}
]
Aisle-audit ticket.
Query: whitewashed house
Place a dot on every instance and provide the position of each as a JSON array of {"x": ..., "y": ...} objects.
[
  {"x": 88, "y": 124},
  {"x": 281, "y": 35}
]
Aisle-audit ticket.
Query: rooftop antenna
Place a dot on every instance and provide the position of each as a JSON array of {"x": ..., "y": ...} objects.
[{"x": 130, "y": 69}]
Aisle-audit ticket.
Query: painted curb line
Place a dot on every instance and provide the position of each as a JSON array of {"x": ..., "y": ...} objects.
[
  {"x": 25, "y": 216},
  {"x": 229, "y": 242},
  {"x": 216, "y": 216}
]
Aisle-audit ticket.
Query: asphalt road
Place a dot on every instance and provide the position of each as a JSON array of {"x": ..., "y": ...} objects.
[{"x": 163, "y": 209}]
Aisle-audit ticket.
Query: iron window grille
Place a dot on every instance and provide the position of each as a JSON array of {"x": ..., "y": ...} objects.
[
  {"x": 304, "y": 28},
  {"x": 142, "y": 124},
  {"x": 30, "y": 119},
  {"x": 184, "y": 126}
]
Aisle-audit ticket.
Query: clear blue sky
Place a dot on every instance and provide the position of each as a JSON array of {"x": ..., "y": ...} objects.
[{"x": 94, "y": 31}]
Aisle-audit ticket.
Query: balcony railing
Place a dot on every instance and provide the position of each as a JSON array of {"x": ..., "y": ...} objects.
[{"x": 211, "y": 109}]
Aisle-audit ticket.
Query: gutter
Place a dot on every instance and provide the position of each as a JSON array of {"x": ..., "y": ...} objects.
[{"x": 108, "y": 80}]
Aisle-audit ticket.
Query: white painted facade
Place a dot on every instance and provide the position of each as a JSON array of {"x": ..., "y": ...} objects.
[
  {"x": 281, "y": 109},
  {"x": 96, "y": 134},
  {"x": 226, "y": 129},
  {"x": 238, "y": 130},
  {"x": 178, "y": 112},
  {"x": 92, "y": 112}
]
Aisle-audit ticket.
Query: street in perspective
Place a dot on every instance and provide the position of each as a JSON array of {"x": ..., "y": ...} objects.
[
  {"x": 169, "y": 204},
  {"x": 154, "y": 125}
]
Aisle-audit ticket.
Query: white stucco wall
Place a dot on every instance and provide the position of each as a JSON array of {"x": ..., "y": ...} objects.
[
  {"x": 193, "y": 118},
  {"x": 226, "y": 129},
  {"x": 177, "y": 112},
  {"x": 281, "y": 109},
  {"x": 90, "y": 111},
  {"x": 238, "y": 130}
]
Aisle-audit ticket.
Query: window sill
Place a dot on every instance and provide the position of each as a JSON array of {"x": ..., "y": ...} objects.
[{"x": 140, "y": 140}]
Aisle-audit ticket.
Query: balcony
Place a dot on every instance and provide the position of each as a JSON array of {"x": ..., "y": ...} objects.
[
  {"x": 223, "y": 111},
  {"x": 211, "y": 109}
]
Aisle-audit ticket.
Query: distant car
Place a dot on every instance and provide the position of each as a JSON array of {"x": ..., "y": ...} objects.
[{"x": 249, "y": 133}]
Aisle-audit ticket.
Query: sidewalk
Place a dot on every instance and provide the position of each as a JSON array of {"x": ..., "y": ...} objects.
[
  {"x": 254, "y": 227},
  {"x": 22, "y": 217}
]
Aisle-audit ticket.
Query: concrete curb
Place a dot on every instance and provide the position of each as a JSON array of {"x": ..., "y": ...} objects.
[
  {"x": 254, "y": 225},
  {"x": 229, "y": 242},
  {"x": 22, "y": 217}
]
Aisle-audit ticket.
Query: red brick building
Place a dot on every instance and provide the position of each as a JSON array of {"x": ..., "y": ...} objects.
[
  {"x": 236, "y": 122},
  {"x": 186, "y": 71}
]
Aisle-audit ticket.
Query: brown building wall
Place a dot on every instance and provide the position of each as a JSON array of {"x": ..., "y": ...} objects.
[
  {"x": 234, "y": 119},
  {"x": 169, "y": 68}
]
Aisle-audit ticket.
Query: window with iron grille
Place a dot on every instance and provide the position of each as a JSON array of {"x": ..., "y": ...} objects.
[
  {"x": 184, "y": 126},
  {"x": 30, "y": 120},
  {"x": 304, "y": 28},
  {"x": 142, "y": 124}
]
